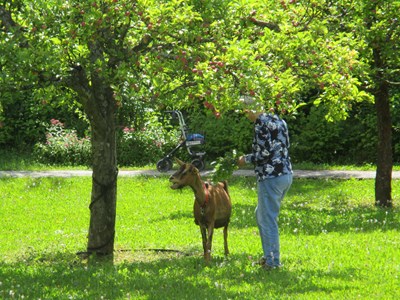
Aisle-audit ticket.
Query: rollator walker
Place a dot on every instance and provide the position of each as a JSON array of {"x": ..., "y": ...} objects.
[{"x": 188, "y": 140}]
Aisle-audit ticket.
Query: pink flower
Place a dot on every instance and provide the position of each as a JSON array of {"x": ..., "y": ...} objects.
[
  {"x": 127, "y": 129},
  {"x": 56, "y": 122}
]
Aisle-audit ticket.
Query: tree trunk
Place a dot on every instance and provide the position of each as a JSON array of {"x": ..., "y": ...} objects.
[
  {"x": 105, "y": 172},
  {"x": 383, "y": 180}
]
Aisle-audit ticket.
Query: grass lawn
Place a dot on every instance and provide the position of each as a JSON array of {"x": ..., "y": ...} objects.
[
  {"x": 335, "y": 244},
  {"x": 25, "y": 161}
]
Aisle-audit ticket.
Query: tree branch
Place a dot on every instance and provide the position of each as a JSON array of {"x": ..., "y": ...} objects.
[
  {"x": 6, "y": 20},
  {"x": 272, "y": 26},
  {"x": 78, "y": 82}
]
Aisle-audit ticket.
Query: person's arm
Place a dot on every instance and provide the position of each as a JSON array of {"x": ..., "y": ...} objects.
[{"x": 260, "y": 144}]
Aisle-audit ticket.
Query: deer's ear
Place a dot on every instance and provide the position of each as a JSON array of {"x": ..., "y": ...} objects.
[
  {"x": 194, "y": 170},
  {"x": 179, "y": 162}
]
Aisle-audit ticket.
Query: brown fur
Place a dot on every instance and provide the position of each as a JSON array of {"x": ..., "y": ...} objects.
[{"x": 214, "y": 214}]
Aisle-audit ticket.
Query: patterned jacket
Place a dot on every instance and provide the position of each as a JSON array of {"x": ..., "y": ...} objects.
[{"x": 270, "y": 154}]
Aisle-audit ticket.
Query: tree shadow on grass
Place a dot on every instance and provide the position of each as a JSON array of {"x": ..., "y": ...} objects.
[
  {"x": 312, "y": 221},
  {"x": 306, "y": 212},
  {"x": 177, "y": 215},
  {"x": 313, "y": 208},
  {"x": 63, "y": 276}
]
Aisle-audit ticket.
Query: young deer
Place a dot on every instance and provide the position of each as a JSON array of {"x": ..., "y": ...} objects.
[{"x": 212, "y": 204}]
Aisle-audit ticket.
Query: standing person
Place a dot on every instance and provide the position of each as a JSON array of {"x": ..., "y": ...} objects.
[{"x": 273, "y": 169}]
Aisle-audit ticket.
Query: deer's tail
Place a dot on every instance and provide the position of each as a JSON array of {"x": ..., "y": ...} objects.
[{"x": 225, "y": 184}]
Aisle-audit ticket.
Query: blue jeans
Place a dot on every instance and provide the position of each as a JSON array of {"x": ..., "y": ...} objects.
[{"x": 270, "y": 194}]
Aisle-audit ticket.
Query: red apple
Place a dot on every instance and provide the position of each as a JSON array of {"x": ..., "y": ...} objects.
[{"x": 207, "y": 104}]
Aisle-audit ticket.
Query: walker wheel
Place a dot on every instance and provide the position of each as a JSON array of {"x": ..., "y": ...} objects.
[
  {"x": 199, "y": 164},
  {"x": 164, "y": 165}
]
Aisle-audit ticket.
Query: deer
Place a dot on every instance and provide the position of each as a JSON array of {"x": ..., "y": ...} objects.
[{"x": 212, "y": 204}]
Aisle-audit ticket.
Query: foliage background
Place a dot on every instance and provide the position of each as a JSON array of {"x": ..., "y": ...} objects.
[
  {"x": 300, "y": 52},
  {"x": 147, "y": 137}
]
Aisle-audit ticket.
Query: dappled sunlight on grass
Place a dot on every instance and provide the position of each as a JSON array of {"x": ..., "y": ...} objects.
[{"x": 335, "y": 243}]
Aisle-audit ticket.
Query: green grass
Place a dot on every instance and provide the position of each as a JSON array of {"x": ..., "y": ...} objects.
[
  {"x": 335, "y": 243},
  {"x": 364, "y": 167},
  {"x": 25, "y": 161},
  {"x": 17, "y": 161}
]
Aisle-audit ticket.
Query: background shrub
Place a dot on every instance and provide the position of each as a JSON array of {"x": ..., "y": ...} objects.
[
  {"x": 351, "y": 141},
  {"x": 232, "y": 131},
  {"x": 147, "y": 144},
  {"x": 147, "y": 137},
  {"x": 63, "y": 146},
  {"x": 24, "y": 119}
]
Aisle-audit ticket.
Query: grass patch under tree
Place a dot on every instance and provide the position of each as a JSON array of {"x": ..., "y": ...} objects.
[
  {"x": 335, "y": 243},
  {"x": 26, "y": 161}
]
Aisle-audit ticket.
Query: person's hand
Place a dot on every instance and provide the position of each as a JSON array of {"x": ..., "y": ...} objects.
[{"x": 241, "y": 161}]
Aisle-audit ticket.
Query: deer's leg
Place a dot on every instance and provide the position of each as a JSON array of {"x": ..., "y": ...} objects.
[
  {"x": 209, "y": 242},
  {"x": 204, "y": 238},
  {"x": 226, "y": 240}
]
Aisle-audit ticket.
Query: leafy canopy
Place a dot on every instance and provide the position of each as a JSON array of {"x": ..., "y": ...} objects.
[{"x": 184, "y": 53}]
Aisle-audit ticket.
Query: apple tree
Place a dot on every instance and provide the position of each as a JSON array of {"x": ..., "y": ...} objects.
[
  {"x": 108, "y": 53},
  {"x": 112, "y": 54},
  {"x": 103, "y": 52},
  {"x": 330, "y": 53},
  {"x": 370, "y": 30}
]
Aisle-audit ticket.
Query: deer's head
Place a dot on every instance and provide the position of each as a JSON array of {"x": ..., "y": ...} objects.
[{"x": 185, "y": 176}]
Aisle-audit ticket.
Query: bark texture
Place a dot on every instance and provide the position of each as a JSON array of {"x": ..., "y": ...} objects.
[
  {"x": 99, "y": 104},
  {"x": 383, "y": 181}
]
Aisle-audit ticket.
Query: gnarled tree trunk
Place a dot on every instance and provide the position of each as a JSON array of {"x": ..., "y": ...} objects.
[
  {"x": 383, "y": 180},
  {"x": 97, "y": 99},
  {"x": 105, "y": 172}
]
